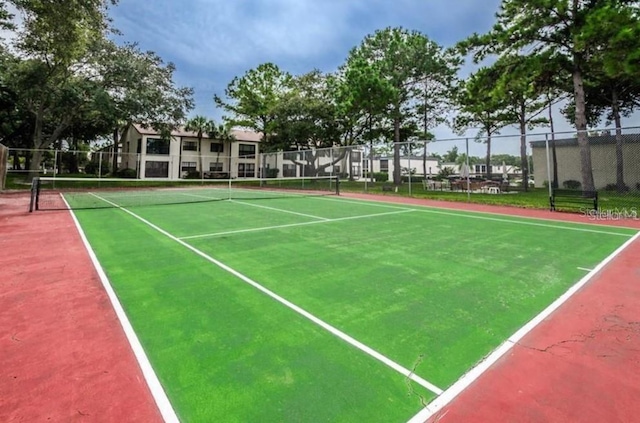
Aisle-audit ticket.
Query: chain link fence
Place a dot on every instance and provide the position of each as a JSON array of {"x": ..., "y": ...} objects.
[{"x": 460, "y": 168}]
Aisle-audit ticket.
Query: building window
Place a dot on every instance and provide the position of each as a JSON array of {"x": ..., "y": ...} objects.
[
  {"x": 156, "y": 169},
  {"x": 246, "y": 170},
  {"x": 288, "y": 170},
  {"x": 247, "y": 151},
  {"x": 215, "y": 167},
  {"x": 157, "y": 146},
  {"x": 217, "y": 147},
  {"x": 188, "y": 166},
  {"x": 482, "y": 169},
  {"x": 384, "y": 165},
  {"x": 189, "y": 146},
  {"x": 365, "y": 165}
]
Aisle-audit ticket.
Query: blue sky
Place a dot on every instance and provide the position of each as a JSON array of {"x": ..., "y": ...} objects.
[{"x": 211, "y": 41}]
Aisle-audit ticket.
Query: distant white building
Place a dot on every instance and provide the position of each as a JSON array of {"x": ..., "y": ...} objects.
[
  {"x": 414, "y": 165},
  {"x": 152, "y": 157}
]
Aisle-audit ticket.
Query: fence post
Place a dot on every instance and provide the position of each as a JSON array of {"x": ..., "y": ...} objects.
[
  {"x": 409, "y": 170},
  {"x": 550, "y": 182},
  {"x": 468, "y": 170}
]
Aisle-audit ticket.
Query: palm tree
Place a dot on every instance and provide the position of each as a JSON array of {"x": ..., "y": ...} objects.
[
  {"x": 224, "y": 134},
  {"x": 201, "y": 125}
]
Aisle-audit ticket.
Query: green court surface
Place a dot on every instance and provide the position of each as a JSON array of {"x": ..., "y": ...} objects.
[{"x": 243, "y": 306}]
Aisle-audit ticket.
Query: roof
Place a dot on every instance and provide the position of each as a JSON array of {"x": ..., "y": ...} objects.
[
  {"x": 593, "y": 140},
  {"x": 239, "y": 134}
]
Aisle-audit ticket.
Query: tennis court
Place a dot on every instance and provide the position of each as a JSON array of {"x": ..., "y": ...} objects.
[{"x": 319, "y": 308}]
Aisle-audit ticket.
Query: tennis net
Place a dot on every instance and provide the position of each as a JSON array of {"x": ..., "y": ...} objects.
[{"x": 48, "y": 193}]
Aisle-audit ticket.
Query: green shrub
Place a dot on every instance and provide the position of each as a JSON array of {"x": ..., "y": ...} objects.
[
  {"x": 92, "y": 168},
  {"x": 272, "y": 173},
  {"x": 614, "y": 188},
  {"x": 414, "y": 179},
  {"x": 571, "y": 184},
  {"x": 193, "y": 174},
  {"x": 127, "y": 173},
  {"x": 380, "y": 176}
]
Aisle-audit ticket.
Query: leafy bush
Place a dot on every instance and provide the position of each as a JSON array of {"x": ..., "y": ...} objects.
[
  {"x": 127, "y": 173},
  {"x": 571, "y": 184},
  {"x": 92, "y": 168},
  {"x": 380, "y": 176},
  {"x": 272, "y": 173},
  {"x": 193, "y": 174},
  {"x": 614, "y": 188},
  {"x": 414, "y": 179},
  {"x": 445, "y": 173}
]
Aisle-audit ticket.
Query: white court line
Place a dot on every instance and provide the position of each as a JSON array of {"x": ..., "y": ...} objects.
[
  {"x": 280, "y": 210},
  {"x": 333, "y": 330},
  {"x": 520, "y": 220},
  {"x": 291, "y": 225},
  {"x": 461, "y": 384},
  {"x": 160, "y": 397},
  {"x": 585, "y": 269}
]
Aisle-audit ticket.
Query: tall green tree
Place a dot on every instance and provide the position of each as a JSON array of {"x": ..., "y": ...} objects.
[
  {"x": 479, "y": 108},
  {"x": 404, "y": 59},
  {"x": 252, "y": 98},
  {"x": 53, "y": 40},
  {"x": 613, "y": 86},
  {"x": 436, "y": 93},
  {"x": 362, "y": 96},
  {"x": 516, "y": 88},
  {"x": 305, "y": 118},
  {"x": 561, "y": 27}
]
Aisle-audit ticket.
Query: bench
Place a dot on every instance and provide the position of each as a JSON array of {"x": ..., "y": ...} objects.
[{"x": 572, "y": 199}]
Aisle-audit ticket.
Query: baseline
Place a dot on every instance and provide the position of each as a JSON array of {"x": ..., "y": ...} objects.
[
  {"x": 409, "y": 374},
  {"x": 466, "y": 380}
]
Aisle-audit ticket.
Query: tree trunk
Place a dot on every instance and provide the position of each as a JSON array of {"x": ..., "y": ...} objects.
[
  {"x": 554, "y": 183},
  {"x": 615, "y": 109},
  {"x": 488, "y": 159},
  {"x": 397, "y": 171},
  {"x": 114, "y": 165},
  {"x": 34, "y": 165},
  {"x": 581, "y": 126},
  {"x": 523, "y": 148},
  {"x": 424, "y": 160},
  {"x": 16, "y": 160}
]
